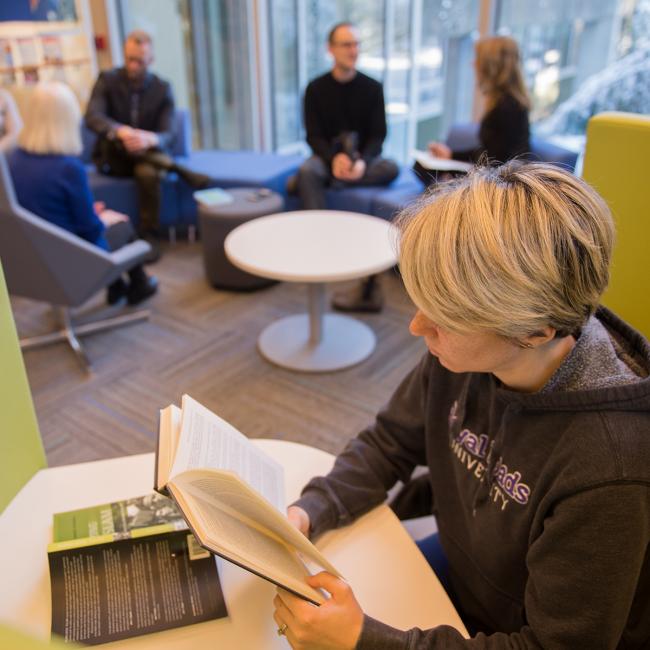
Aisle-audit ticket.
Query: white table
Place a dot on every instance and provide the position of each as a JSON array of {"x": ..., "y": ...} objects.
[
  {"x": 390, "y": 577},
  {"x": 315, "y": 247}
]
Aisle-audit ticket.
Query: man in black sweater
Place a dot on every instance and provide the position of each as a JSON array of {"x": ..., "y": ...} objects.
[
  {"x": 131, "y": 110},
  {"x": 345, "y": 122}
]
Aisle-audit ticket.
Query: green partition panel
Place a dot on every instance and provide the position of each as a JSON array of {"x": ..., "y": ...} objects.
[
  {"x": 13, "y": 640},
  {"x": 21, "y": 449},
  {"x": 616, "y": 164}
]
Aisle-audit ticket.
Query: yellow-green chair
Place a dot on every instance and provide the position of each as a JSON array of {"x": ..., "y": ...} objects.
[
  {"x": 616, "y": 164},
  {"x": 11, "y": 639},
  {"x": 21, "y": 449}
]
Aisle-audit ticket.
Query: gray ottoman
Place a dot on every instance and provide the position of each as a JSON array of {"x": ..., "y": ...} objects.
[{"x": 216, "y": 221}]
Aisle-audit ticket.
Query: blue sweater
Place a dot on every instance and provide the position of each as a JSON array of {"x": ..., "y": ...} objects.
[{"x": 55, "y": 188}]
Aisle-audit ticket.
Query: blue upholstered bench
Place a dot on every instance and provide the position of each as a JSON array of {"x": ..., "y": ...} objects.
[
  {"x": 371, "y": 199},
  {"x": 228, "y": 168},
  {"x": 254, "y": 169}
]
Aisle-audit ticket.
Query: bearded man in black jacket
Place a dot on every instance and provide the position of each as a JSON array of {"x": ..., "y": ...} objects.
[{"x": 131, "y": 110}]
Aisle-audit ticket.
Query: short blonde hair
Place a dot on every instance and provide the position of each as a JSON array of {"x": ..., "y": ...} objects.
[
  {"x": 510, "y": 250},
  {"x": 498, "y": 70},
  {"x": 52, "y": 121}
]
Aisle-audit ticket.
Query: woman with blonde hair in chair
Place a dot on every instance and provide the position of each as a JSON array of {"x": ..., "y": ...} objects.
[{"x": 50, "y": 180}]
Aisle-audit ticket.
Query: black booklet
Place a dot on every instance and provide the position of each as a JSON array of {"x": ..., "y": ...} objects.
[{"x": 129, "y": 568}]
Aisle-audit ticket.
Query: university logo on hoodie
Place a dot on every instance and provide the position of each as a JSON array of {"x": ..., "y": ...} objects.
[{"x": 474, "y": 452}]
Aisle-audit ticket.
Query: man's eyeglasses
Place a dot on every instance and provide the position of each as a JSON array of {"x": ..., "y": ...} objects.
[{"x": 347, "y": 44}]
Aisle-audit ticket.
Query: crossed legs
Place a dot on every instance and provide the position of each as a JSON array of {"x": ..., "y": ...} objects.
[{"x": 314, "y": 176}]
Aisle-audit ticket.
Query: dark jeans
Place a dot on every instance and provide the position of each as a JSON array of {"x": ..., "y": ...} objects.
[
  {"x": 118, "y": 235},
  {"x": 148, "y": 170},
  {"x": 315, "y": 175},
  {"x": 434, "y": 554},
  {"x": 432, "y": 550}
]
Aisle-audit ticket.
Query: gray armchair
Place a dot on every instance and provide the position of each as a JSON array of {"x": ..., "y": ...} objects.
[{"x": 46, "y": 263}]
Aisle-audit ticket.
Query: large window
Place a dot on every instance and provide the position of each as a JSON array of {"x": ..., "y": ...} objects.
[
  {"x": 563, "y": 43},
  {"x": 286, "y": 99},
  {"x": 202, "y": 48},
  {"x": 421, "y": 51},
  {"x": 580, "y": 57},
  {"x": 241, "y": 67},
  {"x": 445, "y": 86}
]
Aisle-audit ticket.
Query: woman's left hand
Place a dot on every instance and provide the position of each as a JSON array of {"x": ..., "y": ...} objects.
[
  {"x": 335, "y": 625},
  {"x": 110, "y": 217},
  {"x": 440, "y": 150}
]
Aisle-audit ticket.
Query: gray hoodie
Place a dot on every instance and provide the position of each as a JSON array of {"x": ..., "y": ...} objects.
[{"x": 542, "y": 500}]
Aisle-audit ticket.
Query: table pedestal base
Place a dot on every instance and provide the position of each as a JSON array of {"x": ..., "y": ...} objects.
[{"x": 344, "y": 342}]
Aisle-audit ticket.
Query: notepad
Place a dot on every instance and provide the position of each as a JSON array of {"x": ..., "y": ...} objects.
[
  {"x": 213, "y": 196},
  {"x": 440, "y": 164}
]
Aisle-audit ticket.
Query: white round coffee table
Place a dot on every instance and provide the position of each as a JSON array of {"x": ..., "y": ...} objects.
[{"x": 315, "y": 247}]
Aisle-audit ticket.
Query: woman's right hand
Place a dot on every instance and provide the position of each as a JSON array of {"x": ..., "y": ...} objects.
[
  {"x": 111, "y": 217},
  {"x": 439, "y": 150},
  {"x": 299, "y": 518}
]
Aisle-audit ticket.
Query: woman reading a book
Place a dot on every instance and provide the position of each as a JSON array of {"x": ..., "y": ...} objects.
[
  {"x": 504, "y": 131},
  {"x": 531, "y": 409}
]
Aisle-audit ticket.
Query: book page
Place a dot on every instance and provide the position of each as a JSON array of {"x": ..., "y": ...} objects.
[
  {"x": 207, "y": 441},
  {"x": 169, "y": 429},
  {"x": 441, "y": 164},
  {"x": 228, "y": 536},
  {"x": 229, "y": 493},
  {"x": 176, "y": 418}
]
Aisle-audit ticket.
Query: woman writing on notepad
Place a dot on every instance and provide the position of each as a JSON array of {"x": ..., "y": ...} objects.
[
  {"x": 531, "y": 409},
  {"x": 504, "y": 131}
]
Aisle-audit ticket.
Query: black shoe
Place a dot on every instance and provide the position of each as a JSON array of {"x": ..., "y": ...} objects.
[
  {"x": 195, "y": 179},
  {"x": 365, "y": 297},
  {"x": 116, "y": 291},
  {"x": 139, "y": 291}
]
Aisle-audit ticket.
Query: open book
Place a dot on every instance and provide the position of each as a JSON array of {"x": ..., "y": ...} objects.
[
  {"x": 440, "y": 164},
  {"x": 232, "y": 496}
]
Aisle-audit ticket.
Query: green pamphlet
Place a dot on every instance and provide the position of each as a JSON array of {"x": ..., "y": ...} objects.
[{"x": 129, "y": 568}]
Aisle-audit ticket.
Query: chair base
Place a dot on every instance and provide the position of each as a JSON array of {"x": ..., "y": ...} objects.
[{"x": 70, "y": 332}]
